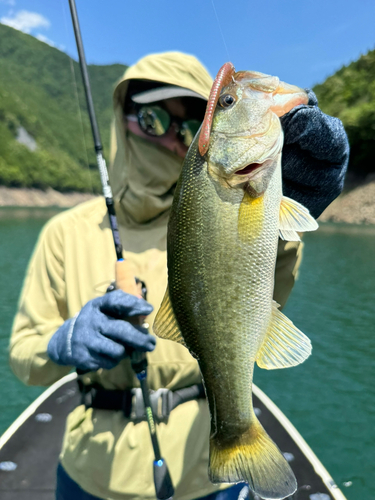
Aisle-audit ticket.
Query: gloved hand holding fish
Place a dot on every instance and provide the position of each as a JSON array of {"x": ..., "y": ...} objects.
[{"x": 227, "y": 215}]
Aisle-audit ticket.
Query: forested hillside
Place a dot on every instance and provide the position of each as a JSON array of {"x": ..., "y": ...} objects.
[
  {"x": 350, "y": 95},
  {"x": 42, "y": 99}
]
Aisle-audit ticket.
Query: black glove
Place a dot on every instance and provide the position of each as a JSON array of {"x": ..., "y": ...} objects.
[
  {"x": 315, "y": 156},
  {"x": 98, "y": 337}
]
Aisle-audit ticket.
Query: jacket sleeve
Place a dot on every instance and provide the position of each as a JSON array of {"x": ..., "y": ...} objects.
[
  {"x": 315, "y": 156},
  {"x": 289, "y": 256},
  {"x": 41, "y": 311}
]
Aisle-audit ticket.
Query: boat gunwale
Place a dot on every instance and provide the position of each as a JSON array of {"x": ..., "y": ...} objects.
[
  {"x": 265, "y": 400},
  {"x": 31, "y": 409},
  {"x": 301, "y": 443}
]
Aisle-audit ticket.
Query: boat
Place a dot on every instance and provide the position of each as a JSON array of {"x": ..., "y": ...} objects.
[{"x": 29, "y": 449}]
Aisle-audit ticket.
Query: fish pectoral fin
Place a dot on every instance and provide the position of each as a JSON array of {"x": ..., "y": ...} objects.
[
  {"x": 165, "y": 324},
  {"x": 284, "y": 345},
  {"x": 294, "y": 217}
]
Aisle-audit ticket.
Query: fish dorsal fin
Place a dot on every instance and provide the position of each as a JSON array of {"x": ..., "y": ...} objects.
[
  {"x": 165, "y": 324},
  {"x": 294, "y": 217},
  {"x": 284, "y": 345}
]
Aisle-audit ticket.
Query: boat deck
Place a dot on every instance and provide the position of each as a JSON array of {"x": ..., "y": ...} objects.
[{"x": 29, "y": 449}]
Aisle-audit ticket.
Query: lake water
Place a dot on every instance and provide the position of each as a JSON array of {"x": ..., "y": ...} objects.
[{"x": 330, "y": 398}]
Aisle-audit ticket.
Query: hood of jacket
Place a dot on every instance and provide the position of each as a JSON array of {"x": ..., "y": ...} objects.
[{"x": 143, "y": 174}]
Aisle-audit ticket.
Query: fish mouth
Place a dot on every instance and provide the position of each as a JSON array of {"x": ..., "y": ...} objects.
[
  {"x": 254, "y": 177},
  {"x": 249, "y": 169}
]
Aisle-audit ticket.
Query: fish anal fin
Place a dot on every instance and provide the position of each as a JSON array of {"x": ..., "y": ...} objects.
[
  {"x": 165, "y": 324},
  {"x": 284, "y": 345},
  {"x": 253, "y": 457},
  {"x": 294, "y": 217}
]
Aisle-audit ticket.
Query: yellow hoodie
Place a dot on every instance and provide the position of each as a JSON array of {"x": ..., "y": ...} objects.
[{"x": 108, "y": 455}]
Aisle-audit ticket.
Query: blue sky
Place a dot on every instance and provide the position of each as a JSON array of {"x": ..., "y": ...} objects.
[{"x": 302, "y": 42}]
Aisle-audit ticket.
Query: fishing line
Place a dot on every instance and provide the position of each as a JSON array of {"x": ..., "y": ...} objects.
[
  {"x": 221, "y": 31},
  {"x": 79, "y": 112}
]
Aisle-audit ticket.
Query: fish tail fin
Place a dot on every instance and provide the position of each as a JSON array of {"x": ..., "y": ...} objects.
[{"x": 253, "y": 458}]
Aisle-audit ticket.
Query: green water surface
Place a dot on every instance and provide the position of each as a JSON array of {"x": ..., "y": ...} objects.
[
  {"x": 19, "y": 229},
  {"x": 330, "y": 398}
]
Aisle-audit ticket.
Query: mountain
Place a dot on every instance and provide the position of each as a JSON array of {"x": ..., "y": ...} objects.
[
  {"x": 349, "y": 94},
  {"x": 45, "y": 134}
]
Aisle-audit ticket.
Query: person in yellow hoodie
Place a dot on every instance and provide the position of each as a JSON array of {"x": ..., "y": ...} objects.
[{"x": 66, "y": 320}]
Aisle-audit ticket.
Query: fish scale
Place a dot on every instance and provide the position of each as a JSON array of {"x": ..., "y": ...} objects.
[
  {"x": 234, "y": 314},
  {"x": 227, "y": 215}
]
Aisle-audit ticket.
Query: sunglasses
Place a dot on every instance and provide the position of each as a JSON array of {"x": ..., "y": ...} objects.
[{"x": 156, "y": 121}]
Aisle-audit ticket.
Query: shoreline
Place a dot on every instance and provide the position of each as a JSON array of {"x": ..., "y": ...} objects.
[
  {"x": 356, "y": 206},
  {"x": 36, "y": 198}
]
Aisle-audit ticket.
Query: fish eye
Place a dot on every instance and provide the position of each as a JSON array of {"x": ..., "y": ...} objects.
[{"x": 226, "y": 100}]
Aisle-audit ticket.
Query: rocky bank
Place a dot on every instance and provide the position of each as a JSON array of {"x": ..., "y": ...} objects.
[
  {"x": 356, "y": 206},
  {"x": 22, "y": 197}
]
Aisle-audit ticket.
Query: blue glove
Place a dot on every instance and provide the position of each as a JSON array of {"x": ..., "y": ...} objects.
[
  {"x": 98, "y": 337},
  {"x": 315, "y": 156}
]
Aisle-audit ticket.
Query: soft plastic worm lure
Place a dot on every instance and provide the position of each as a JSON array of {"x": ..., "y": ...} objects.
[{"x": 222, "y": 79}]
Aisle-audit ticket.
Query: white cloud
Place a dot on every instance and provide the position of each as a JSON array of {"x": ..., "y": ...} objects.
[
  {"x": 45, "y": 39},
  {"x": 25, "y": 21}
]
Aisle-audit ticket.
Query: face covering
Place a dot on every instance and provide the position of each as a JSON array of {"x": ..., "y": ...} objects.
[
  {"x": 151, "y": 174},
  {"x": 148, "y": 178}
]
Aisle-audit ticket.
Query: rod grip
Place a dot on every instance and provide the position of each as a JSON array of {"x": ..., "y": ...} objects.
[{"x": 125, "y": 280}]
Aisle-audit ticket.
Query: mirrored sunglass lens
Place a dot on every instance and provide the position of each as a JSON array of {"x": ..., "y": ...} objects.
[
  {"x": 154, "y": 120},
  {"x": 188, "y": 130}
]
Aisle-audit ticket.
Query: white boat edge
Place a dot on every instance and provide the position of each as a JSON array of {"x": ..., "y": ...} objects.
[
  {"x": 30, "y": 410},
  {"x": 268, "y": 403},
  {"x": 298, "y": 439}
]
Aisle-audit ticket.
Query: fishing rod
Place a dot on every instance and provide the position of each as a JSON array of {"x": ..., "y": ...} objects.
[{"x": 125, "y": 279}]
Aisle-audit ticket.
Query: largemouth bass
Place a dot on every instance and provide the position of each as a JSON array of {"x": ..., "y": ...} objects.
[{"x": 227, "y": 215}]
